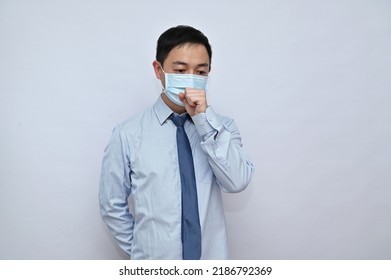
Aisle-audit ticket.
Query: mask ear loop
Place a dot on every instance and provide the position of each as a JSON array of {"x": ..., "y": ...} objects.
[{"x": 161, "y": 67}]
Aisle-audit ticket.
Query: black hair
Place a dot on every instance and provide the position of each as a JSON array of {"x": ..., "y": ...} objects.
[{"x": 179, "y": 36}]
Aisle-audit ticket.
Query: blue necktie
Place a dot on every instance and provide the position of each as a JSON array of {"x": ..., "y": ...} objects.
[{"x": 191, "y": 229}]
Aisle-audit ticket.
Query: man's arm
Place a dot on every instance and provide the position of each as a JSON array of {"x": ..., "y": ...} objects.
[
  {"x": 222, "y": 142},
  {"x": 114, "y": 190}
]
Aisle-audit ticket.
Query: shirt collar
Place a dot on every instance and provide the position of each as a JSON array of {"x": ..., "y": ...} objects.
[{"x": 162, "y": 111}]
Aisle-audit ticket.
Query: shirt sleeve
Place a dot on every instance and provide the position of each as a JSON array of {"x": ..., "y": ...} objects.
[
  {"x": 221, "y": 141},
  {"x": 114, "y": 190}
]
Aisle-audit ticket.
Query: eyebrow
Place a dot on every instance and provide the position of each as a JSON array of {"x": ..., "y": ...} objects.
[{"x": 178, "y": 62}]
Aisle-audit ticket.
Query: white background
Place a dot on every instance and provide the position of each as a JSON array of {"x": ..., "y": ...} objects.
[{"x": 308, "y": 83}]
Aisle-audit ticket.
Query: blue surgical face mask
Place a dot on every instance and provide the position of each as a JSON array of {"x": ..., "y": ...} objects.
[{"x": 176, "y": 83}]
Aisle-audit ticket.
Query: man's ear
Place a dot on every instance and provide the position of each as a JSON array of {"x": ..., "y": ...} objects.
[{"x": 157, "y": 69}]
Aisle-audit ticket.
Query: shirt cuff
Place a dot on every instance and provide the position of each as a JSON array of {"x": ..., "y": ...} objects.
[{"x": 206, "y": 123}]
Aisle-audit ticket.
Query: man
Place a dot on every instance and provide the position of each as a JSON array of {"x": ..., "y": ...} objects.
[{"x": 174, "y": 173}]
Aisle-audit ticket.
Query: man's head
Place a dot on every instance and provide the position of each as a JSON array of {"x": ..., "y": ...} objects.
[
  {"x": 180, "y": 36},
  {"x": 182, "y": 50}
]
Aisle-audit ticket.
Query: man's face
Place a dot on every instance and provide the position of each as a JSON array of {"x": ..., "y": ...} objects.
[{"x": 186, "y": 59}]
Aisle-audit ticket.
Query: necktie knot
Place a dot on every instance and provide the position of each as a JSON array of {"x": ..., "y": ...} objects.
[{"x": 179, "y": 120}]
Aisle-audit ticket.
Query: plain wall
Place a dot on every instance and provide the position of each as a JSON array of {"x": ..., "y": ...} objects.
[{"x": 308, "y": 83}]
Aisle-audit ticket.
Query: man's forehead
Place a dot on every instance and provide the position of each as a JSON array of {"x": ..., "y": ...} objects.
[
  {"x": 188, "y": 55},
  {"x": 189, "y": 50}
]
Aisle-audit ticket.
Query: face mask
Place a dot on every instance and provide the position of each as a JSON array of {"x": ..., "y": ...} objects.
[{"x": 176, "y": 83}]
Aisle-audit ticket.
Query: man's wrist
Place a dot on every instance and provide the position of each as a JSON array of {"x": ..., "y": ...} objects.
[{"x": 204, "y": 122}]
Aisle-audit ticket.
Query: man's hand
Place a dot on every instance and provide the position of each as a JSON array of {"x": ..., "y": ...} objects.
[{"x": 194, "y": 100}]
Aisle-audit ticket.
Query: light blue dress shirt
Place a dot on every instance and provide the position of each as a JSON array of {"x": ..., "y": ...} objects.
[{"x": 141, "y": 161}]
